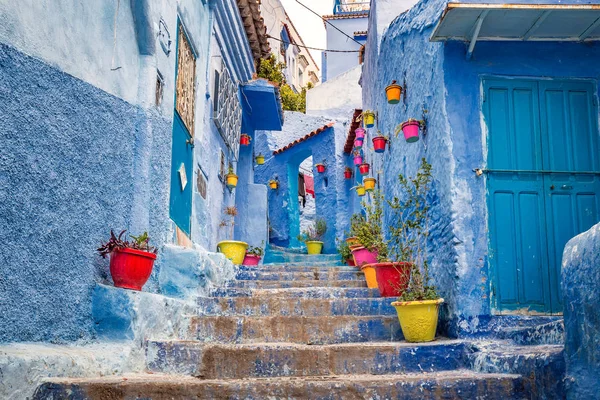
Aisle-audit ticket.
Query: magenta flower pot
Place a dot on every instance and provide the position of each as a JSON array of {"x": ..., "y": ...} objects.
[
  {"x": 363, "y": 256},
  {"x": 357, "y": 160},
  {"x": 360, "y": 133},
  {"x": 251, "y": 259},
  {"x": 410, "y": 129},
  {"x": 358, "y": 144}
]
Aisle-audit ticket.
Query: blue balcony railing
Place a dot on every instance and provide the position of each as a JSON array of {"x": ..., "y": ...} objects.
[{"x": 350, "y": 6}]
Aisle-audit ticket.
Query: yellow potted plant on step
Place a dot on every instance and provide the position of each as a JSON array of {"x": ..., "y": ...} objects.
[
  {"x": 313, "y": 235},
  {"x": 418, "y": 306},
  {"x": 233, "y": 250}
]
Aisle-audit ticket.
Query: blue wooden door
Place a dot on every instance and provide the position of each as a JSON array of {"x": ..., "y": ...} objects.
[
  {"x": 542, "y": 184},
  {"x": 180, "y": 203}
]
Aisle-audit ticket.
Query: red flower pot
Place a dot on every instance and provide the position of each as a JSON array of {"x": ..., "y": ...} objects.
[
  {"x": 251, "y": 259},
  {"x": 350, "y": 262},
  {"x": 320, "y": 168},
  {"x": 348, "y": 174},
  {"x": 245, "y": 140},
  {"x": 130, "y": 268},
  {"x": 364, "y": 168},
  {"x": 379, "y": 144},
  {"x": 392, "y": 278}
]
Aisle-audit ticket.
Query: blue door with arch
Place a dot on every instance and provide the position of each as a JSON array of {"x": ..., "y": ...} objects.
[
  {"x": 543, "y": 184},
  {"x": 182, "y": 154}
]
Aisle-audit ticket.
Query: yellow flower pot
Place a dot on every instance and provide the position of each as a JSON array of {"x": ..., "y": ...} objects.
[
  {"x": 418, "y": 319},
  {"x": 369, "y": 184},
  {"x": 393, "y": 93},
  {"x": 233, "y": 250},
  {"x": 273, "y": 185},
  {"x": 232, "y": 180},
  {"x": 360, "y": 190},
  {"x": 370, "y": 276},
  {"x": 369, "y": 119},
  {"x": 260, "y": 160},
  {"x": 314, "y": 247},
  {"x": 352, "y": 241}
]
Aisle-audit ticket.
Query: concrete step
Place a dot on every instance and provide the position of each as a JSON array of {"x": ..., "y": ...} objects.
[
  {"x": 315, "y": 293},
  {"x": 307, "y": 263},
  {"x": 297, "y": 284},
  {"x": 329, "y": 274},
  {"x": 542, "y": 365},
  {"x": 440, "y": 385},
  {"x": 307, "y": 330},
  {"x": 218, "y": 361},
  {"x": 551, "y": 333},
  {"x": 285, "y": 306}
]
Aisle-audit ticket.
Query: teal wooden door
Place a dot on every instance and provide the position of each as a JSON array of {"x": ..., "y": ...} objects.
[
  {"x": 543, "y": 184},
  {"x": 182, "y": 154}
]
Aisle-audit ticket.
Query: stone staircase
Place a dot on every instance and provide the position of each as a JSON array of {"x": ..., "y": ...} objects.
[{"x": 316, "y": 332}]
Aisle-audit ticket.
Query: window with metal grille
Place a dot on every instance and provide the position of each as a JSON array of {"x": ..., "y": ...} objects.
[
  {"x": 227, "y": 110},
  {"x": 186, "y": 81}
]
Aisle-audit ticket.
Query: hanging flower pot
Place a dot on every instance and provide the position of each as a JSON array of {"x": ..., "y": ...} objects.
[
  {"x": 393, "y": 93},
  {"x": 358, "y": 144},
  {"x": 369, "y": 184},
  {"x": 273, "y": 184},
  {"x": 320, "y": 168},
  {"x": 362, "y": 139},
  {"x": 369, "y": 118},
  {"x": 410, "y": 129},
  {"x": 358, "y": 160},
  {"x": 360, "y": 133},
  {"x": 260, "y": 159},
  {"x": 245, "y": 139},
  {"x": 348, "y": 173},
  {"x": 364, "y": 168},
  {"x": 360, "y": 190},
  {"x": 232, "y": 180},
  {"x": 379, "y": 144}
]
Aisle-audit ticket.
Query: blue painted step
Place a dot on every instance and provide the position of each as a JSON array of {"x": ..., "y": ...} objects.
[
  {"x": 283, "y": 275},
  {"x": 317, "y": 293},
  {"x": 217, "y": 361},
  {"x": 310, "y": 307},
  {"x": 269, "y": 284}
]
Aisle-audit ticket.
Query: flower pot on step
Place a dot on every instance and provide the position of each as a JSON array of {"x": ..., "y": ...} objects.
[
  {"x": 418, "y": 319},
  {"x": 251, "y": 259},
  {"x": 314, "y": 247},
  {"x": 363, "y": 256},
  {"x": 392, "y": 278},
  {"x": 233, "y": 250},
  {"x": 352, "y": 241},
  {"x": 350, "y": 262},
  {"x": 131, "y": 268},
  {"x": 370, "y": 277}
]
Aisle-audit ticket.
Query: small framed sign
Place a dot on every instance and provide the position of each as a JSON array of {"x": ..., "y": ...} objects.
[{"x": 182, "y": 177}]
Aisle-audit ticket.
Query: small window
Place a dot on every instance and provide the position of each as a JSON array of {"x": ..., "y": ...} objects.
[
  {"x": 160, "y": 86},
  {"x": 216, "y": 93},
  {"x": 223, "y": 170}
]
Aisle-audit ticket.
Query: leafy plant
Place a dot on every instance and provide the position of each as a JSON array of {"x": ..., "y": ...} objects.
[
  {"x": 230, "y": 170},
  {"x": 344, "y": 250},
  {"x": 368, "y": 229},
  {"x": 257, "y": 251},
  {"x": 140, "y": 242},
  {"x": 315, "y": 232},
  {"x": 409, "y": 233},
  {"x": 229, "y": 220}
]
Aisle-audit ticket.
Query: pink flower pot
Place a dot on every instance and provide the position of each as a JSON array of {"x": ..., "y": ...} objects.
[
  {"x": 360, "y": 133},
  {"x": 363, "y": 256},
  {"x": 357, "y": 160},
  {"x": 251, "y": 259},
  {"x": 410, "y": 129},
  {"x": 358, "y": 144}
]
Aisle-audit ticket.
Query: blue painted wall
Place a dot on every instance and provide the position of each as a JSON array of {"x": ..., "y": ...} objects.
[
  {"x": 440, "y": 80},
  {"x": 338, "y": 63},
  {"x": 581, "y": 290}
]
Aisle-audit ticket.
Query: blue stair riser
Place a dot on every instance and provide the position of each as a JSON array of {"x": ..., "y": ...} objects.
[
  {"x": 296, "y": 284},
  {"x": 318, "y": 293},
  {"x": 333, "y": 275},
  {"x": 296, "y": 268},
  {"x": 305, "y": 330},
  {"x": 272, "y": 306},
  {"x": 263, "y": 361}
]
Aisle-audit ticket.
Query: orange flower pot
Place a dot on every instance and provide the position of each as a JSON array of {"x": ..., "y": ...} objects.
[
  {"x": 393, "y": 93},
  {"x": 370, "y": 275},
  {"x": 369, "y": 184}
]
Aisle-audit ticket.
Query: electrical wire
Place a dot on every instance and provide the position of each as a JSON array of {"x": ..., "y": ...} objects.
[
  {"x": 327, "y": 22},
  {"x": 315, "y": 48}
]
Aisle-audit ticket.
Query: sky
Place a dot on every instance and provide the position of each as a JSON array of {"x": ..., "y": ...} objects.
[{"x": 310, "y": 26}]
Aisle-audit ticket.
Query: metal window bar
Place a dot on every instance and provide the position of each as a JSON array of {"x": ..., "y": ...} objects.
[
  {"x": 228, "y": 112},
  {"x": 347, "y": 6}
]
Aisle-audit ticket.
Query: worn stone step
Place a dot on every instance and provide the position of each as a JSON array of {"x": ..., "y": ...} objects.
[
  {"x": 316, "y": 293},
  {"x": 297, "y": 284},
  {"x": 296, "y": 268},
  {"x": 305, "y": 263},
  {"x": 439, "y": 385},
  {"x": 552, "y": 333},
  {"x": 330, "y": 274},
  {"x": 218, "y": 361},
  {"x": 285, "y": 306},
  {"x": 307, "y": 330}
]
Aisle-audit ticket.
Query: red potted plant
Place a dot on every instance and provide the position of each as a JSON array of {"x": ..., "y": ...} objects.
[
  {"x": 245, "y": 139},
  {"x": 130, "y": 262},
  {"x": 348, "y": 173},
  {"x": 364, "y": 168},
  {"x": 253, "y": 255},
  {"x": 379, "y": 143},
  {"x": 321, "y": 167}
]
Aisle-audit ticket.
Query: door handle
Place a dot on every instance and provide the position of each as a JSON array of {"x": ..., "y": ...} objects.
[
  {"x": 190, "y": 141},
  {"x": 566, "y": 187},
  {"x": 551, "y": 187}
]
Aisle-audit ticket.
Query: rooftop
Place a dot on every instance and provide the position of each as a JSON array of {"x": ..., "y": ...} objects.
[{"x": 304, "y": 138}]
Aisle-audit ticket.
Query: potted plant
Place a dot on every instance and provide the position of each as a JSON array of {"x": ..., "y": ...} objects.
[
  {"x": 358, "y": 144},
  {"x": 379, "y": 143},
  {"x": 232, "y": 178},
  {"x": 368, "y": 231},
  {"x": 345, "y": 253},
  {"x": 369, "y": 118},
  {"x": 352, "y": 241},
  {"x": 360, "y": 190},
  {"x": 260, "y": 159},
  {"x": 233, "y": 250},
  {"x": 253, "y": 255},
  {"x": 364, "y": 168},
  {"x": 420, "y": 301},
  {"x": 274, "y": 184},
  {"x": 359, "y": 133},
  {"x": 313, "y": 235},
  {"x": 321, "y": 167},
  {"x": 369, "y": 184},
  {"x": 131, "y": 262},
  {"x": 393, "y": 93},
  {"x": 410, "y": 129},
  {"x": 348, "y": 173},
  {"x": 357, "y": 157},
  {"x": 245, "y": 139}
]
